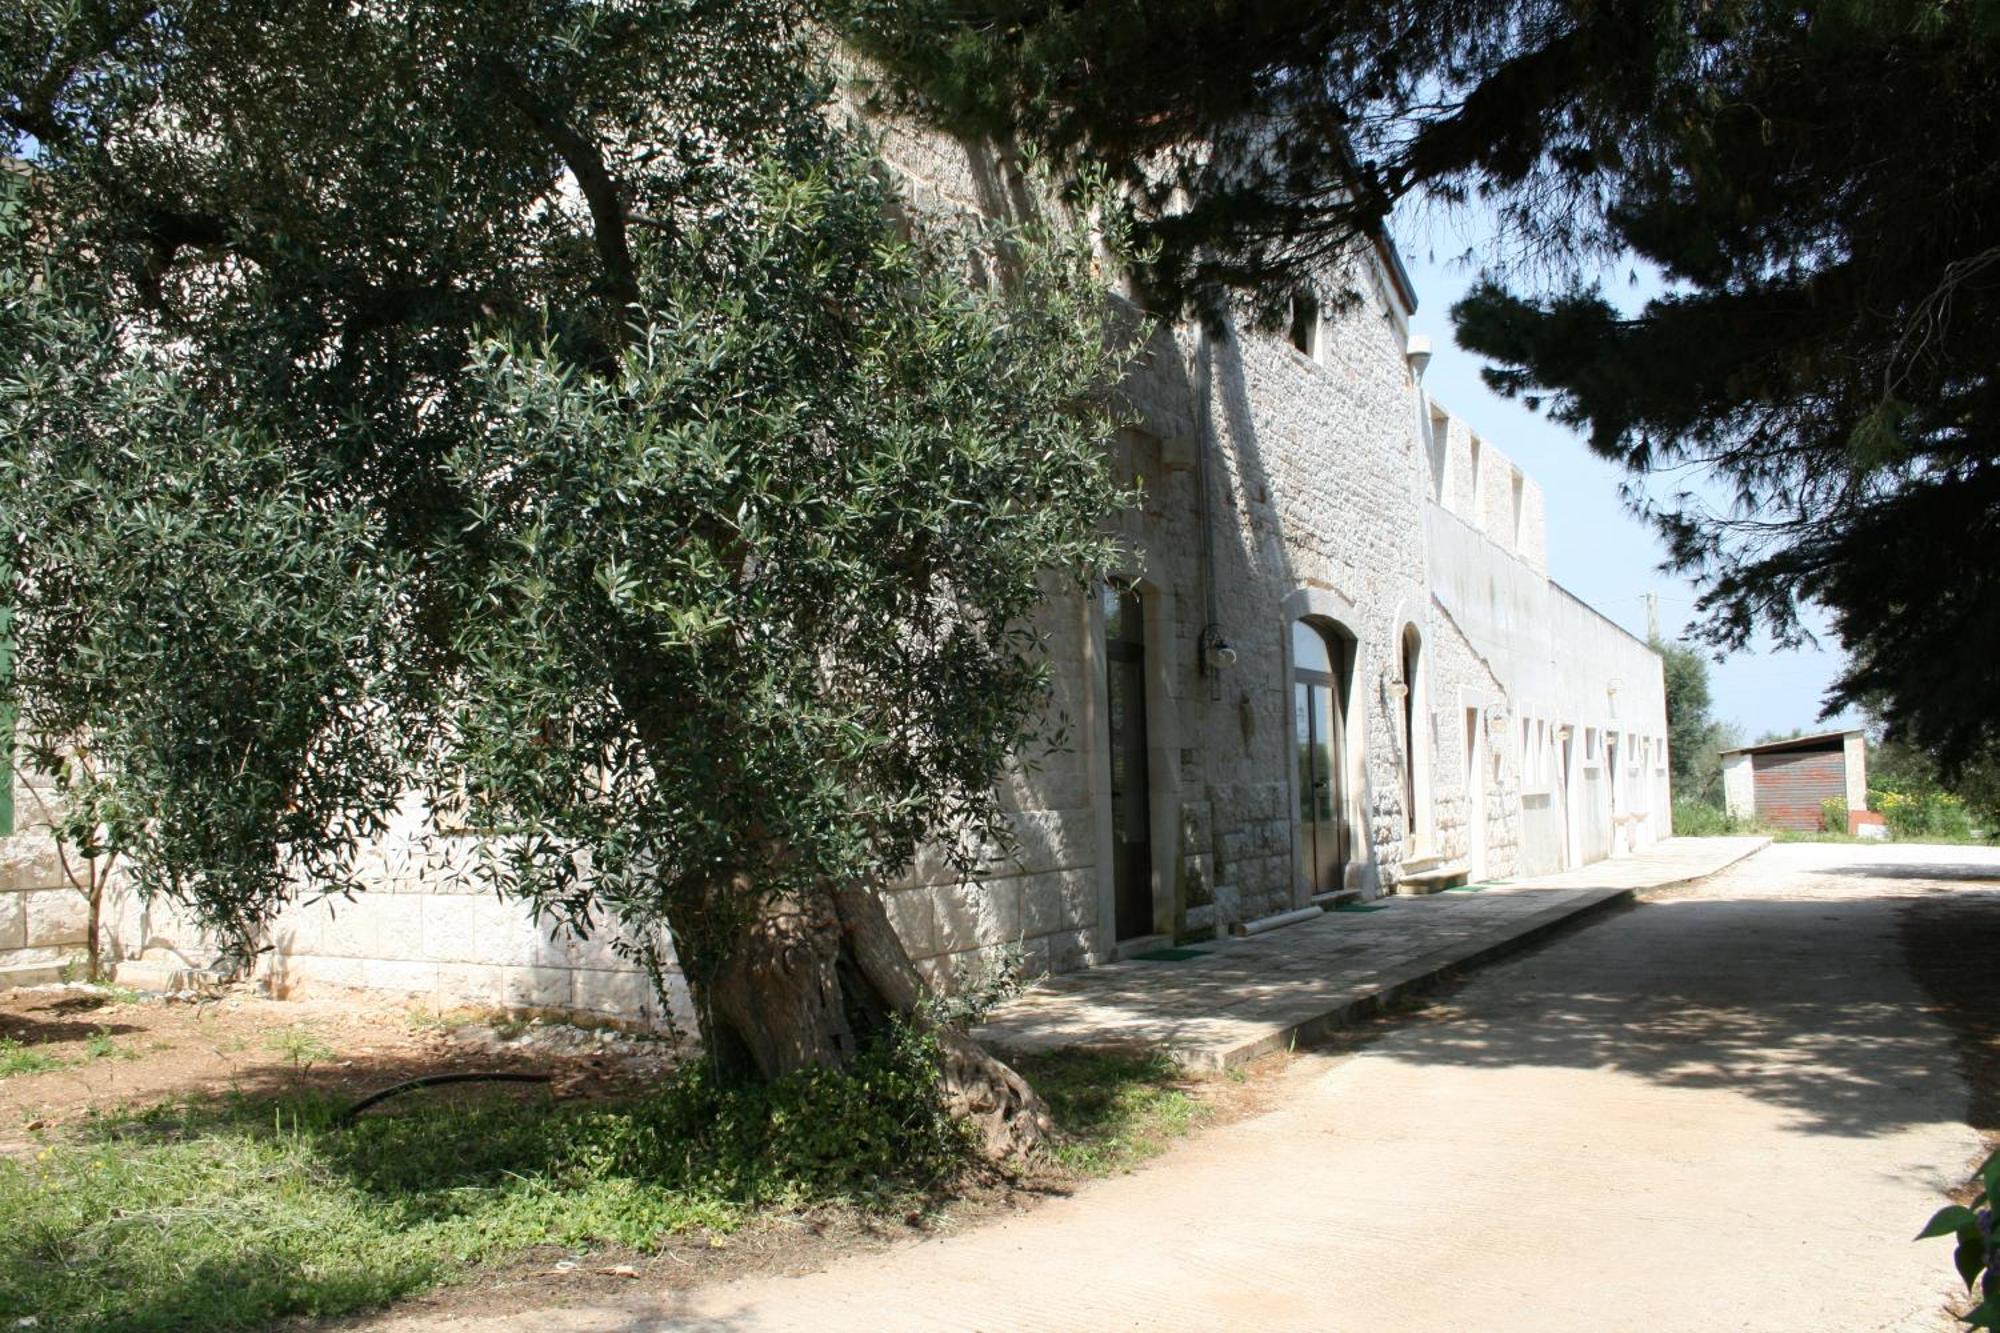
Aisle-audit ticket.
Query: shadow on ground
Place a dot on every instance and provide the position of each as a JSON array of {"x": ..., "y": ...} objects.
[
  {"x": 1942, "y": 873},
  {"x": 1799, "y": 1003}
]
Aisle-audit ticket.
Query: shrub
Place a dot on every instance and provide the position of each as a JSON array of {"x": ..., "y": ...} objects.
[
  {"x": 1833, "y": 814},
  {"x": 856, "y": 1133},
  {"x": 1923, "y": 814},
  {"x": 1699, "y": 819},
  {"x": 1974, "y": 1256}
]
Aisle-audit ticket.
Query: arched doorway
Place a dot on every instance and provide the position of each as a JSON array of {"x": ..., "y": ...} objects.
[
  {"x": 1416, "y": 745},
  {"x": 1322, "y": 663}
]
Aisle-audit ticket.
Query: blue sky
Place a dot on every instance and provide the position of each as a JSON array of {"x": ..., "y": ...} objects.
[{"x": 1597, "y": 548}]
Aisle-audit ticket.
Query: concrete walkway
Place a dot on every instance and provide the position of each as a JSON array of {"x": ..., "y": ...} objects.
[
  {"x": 1722, "y": 1111},
  {"x": 1244, "y": 998}
]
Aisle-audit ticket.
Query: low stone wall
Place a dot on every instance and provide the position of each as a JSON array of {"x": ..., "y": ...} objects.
[{"x": 43, "y": 919}]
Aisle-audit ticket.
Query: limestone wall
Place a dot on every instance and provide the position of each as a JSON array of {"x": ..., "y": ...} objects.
[{"x": 44, "y": 915}]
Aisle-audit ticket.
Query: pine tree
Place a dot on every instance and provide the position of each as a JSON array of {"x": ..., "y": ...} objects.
[{"x": 1818, "y": 187}]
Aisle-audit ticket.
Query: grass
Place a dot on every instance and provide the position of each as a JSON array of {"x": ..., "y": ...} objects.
[
  {"x": 1907, "y": 839},
  {"x": 301, "y": 1049},
  {"x": 18, "y": 1059},
  {"x": 1111, "y": 1111},
  {"x": 105, "y": 1047},
  {"x": 207, "y": 1219},
  {"x": 233, "y": 1213},
  {"x": 1699, "y": 819}
]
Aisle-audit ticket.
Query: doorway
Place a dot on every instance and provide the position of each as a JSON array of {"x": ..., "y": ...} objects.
[
  {"x": 1320, "y": 666},
  {"x": 1131, "y": 772},
  {"x": 1475, "y": 794},
  {"x": 1416, "y": 820}
]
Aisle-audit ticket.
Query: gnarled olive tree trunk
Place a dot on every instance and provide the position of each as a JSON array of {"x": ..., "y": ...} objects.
[{"x": 804, "y": 983}]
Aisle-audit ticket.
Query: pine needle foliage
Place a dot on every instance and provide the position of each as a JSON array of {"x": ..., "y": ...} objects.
[{"x": 1810, "y": 411}]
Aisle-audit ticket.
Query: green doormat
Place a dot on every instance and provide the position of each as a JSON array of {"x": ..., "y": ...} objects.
[
  {"x": 1169, "y": 955},
  {"x": 1357, "y": 907}
]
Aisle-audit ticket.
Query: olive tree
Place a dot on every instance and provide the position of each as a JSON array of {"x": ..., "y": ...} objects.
[{"x": 545, "y": 407}]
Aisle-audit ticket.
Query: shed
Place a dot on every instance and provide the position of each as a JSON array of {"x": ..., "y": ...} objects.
[{"x": 1783, "y": 783}]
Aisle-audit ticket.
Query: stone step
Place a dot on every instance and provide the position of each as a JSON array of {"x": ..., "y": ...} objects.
[
  {"x": 37, "y": 974},
  {"x": 164, "y": 971},
  {"x": 1434, "y": 878}
]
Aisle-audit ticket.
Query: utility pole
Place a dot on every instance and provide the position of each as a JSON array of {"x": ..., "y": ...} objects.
[{"x": 1653, "y": 617}]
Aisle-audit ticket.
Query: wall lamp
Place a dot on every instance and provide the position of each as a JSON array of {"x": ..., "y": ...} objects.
[
  {"x": 1419, "y": 356},
  {"x": 1216, "y": 654}
]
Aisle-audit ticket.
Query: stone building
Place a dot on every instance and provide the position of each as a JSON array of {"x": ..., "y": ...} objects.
[{"x": 1333, "y": 665}]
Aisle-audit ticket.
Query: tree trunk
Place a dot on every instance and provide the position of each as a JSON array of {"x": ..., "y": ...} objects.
[
  {"x": 807, "y": 982},
  {"x": 93, "y": 949}
]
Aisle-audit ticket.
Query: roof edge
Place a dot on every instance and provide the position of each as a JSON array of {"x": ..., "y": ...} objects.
[{"x": 1794, "y": 742}]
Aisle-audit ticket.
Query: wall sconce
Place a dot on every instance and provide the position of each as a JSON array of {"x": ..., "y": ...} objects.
[
  {"x": 1419, "y": 356},
  {"x": 1216, "y": 654}
]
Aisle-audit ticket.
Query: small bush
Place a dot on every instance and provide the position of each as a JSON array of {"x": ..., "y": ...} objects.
[
  {"x": 877, "y": 1127},
  {"x": 1923, "y": 814},
  {"x": 1833, "y": 814},
  {"x": 1699, "y": 819}
]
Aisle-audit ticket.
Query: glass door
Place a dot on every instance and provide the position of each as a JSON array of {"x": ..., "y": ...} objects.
[{"x": 1318, "y": 677}]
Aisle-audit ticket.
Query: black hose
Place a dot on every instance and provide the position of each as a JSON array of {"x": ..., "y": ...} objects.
[{"x": 432, "y": 1081}]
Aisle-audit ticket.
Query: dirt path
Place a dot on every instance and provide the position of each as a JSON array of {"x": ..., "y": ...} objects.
[
  {"x": 1727, "y": 1110},
  {"x": 81, "y": 1052}
]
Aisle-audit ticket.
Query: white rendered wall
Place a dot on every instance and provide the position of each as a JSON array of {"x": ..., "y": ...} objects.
[{"x": 1739, "y": 786}]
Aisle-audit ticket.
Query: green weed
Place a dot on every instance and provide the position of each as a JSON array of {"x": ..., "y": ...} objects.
[
  {"x": 18, "y": 1059},
  {"x": 1111, "y": 1111},
  {"x": 301, "y": 1049},
  {"x": 1699, "y": 819},
  {"x": 103, "y": 1046}
]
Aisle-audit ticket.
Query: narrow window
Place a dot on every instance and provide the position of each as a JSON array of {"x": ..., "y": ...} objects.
[
  {"x": 1440, "y": 453},
  {"x": 1305, "y": 324},
  {"x": 1476, "y": 501}
]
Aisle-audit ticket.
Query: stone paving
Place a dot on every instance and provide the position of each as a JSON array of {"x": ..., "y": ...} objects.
[{"x": 1245, "y": 997}]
